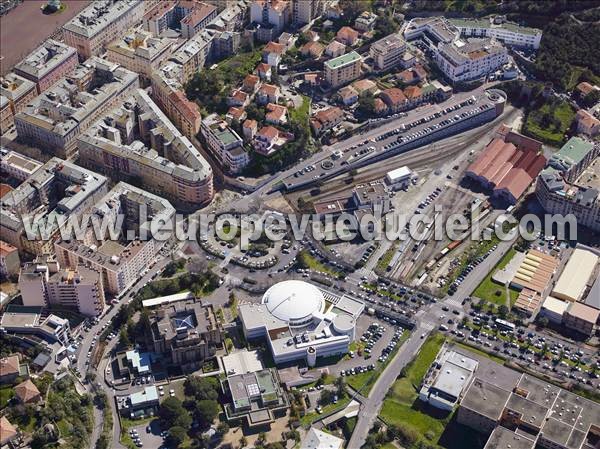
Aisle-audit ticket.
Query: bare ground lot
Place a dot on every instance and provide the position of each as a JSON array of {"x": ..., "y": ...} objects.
[{"x": 25, "y": 27}]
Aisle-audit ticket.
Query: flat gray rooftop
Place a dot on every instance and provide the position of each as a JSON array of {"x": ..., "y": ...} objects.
[
  {"x": 502, "y": 438},
  {"x": 485, "y": 398}
]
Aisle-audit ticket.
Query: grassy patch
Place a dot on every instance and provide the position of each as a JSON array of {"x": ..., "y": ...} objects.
[
  {"x": 301, "y": 115},
  {"x": 402, "y": 405},
  {"x": 493, "y": 292},
  {"x": 384, "y": 262},
  {"x": 306, "y": 260},
  {"x": 308, "y": 419},
  {"x": 6, "y": 394},
  {"x": 550, "y": 122}
]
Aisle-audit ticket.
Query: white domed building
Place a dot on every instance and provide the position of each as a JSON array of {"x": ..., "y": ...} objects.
[{"x": 300, "y": 323}]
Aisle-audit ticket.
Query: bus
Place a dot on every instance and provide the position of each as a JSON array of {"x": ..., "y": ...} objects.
[{"x": 505, "y": 325}]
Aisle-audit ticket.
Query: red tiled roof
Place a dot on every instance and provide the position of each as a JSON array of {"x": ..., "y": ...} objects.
[
  {"x": 6, "y": 248},
  {"x": 313, "y": 48},
  {"x": 26, "y": 391},
  {"x": 251, "y": 80},
  {"x": 235, "y": 113},
  {"x": 274, "y": 47},
  {"x": 347, "y": 33},
  {"x": 585, "y": 87},
  {"x": 7, "y": 431},
  {"x": 185, "y": 106},
  {"x": 161, "y": 8},
  {"x": 269, "y": 132},
  {"x": 586, "y": 118},
  {"x": 4, "y": 189},
  {"x": 505, "y": 166},
  {"x": 393, "y": 96},
  {"x": 239, "y": 95},
  {"x": 329, "y": 114},
  {"x": 200, "y": 12},
  {"x": 268, "y": 89},
  {"x": 262, "y": 67},
  {"x": 250, "y": 123},
  {"x": 412, "y": 92},
  {"x": 9, "y": 365}
]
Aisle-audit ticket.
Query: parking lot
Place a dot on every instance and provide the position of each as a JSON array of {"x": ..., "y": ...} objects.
[{"x": 148, "y": 435}]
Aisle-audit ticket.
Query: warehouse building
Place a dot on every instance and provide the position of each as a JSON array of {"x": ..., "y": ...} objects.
[{"x": 572, "y": 283}]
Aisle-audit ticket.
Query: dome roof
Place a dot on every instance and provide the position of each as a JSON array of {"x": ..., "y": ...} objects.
[{"x": 293, "y": 301}]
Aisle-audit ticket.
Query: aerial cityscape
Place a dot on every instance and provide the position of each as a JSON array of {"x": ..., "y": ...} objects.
[{"x": 300, "y": 224}]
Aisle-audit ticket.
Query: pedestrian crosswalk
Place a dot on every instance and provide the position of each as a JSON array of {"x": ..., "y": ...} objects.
[{"x": 453, "y": 302}]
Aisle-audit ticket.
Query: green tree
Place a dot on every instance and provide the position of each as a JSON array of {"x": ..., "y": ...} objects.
[
  {"x": 503, "y": 311},
  {"x": 201, "y": 388},
  {"x": 206, "y": 411},
  {"x": 124, "y": 337},
  {"x": 326, "y": 397},
  {"x": 172, "y": 413},
  {"x": 366, "y": 104},
  {"x": 176, "y": 436},
  {"x": 592, "y": 98}
]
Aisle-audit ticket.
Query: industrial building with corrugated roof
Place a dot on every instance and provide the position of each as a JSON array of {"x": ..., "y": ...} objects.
[
  {"x": 573, "y": 281},
  {"x": 532, "y": 278}
]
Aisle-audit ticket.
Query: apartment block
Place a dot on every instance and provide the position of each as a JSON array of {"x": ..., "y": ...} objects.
[
  {"x": 55, "y": 119},
  {"x": 470, "y": 59},
  {"x": 137, "y": 141},
  {"x": 167, "y": 92},
  {"x": 305, "y": 11},
  {"x": 225, "y": 144},
  {"x": 15, "y": 93},
  {"x": 271, "y": 16},
  {"x": 47, "y": 64},
  {"x": 193, "y": 55},
  {"x": 581, "y": 318},
  {"x": 141, "y": 53},
  {"x": 54, "y": 192},
  {"x": 191, "y": 16},
  {"x": 388, "y": 52},
  {"x": 44, "y": 284},
  {"x": 188, "y": 333},
  {"x": 17, "y": 166},
  {"x": 497, "y": 27},
  {"x": 343, "y": 69},
  {"x": 30, "y": 323},
  {"x": 100, "y": 23},
  {"x": 119, "y": 261}
]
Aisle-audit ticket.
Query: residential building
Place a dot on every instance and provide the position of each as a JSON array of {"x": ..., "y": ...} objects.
[
  {"x": 55, "y": 119},
  {"x": 365, "y": 22},
  {"x": 193, "y": 55},
  {"x": 80, "y": 289},
  {"x": 584, "y": 88},
  {"x": 9, "y": 369},
  {"x": 293, "y": 321},
  {"x": 235, "y": 114},
  {"x": 167, "y": 92},
  {"x": 141, "y": 53},
  {"x": 312, "y": 50},
  {"x": 412, "y": 75},
  {"x": 348, "y": 95},
  {"x": 268, "y": 140},
  {"x": 251, "y": 83},
  {"x": 32, "y": 323},
  {"x": 225, "y": 144},
  {"x": 574, "y": 157},
  {"x": 276, "y": 114},
  {"x": 264, "y": 71},
  {"x": 305, "y": 11},
  {"x": 9, "y": 435},
  {"x": 497, "y": 27},
  {"x": 238, "y": 98},
  {"x": 587, "y": 124},
  {"x": 470, "y": 59},
  {"x": 17, "y": 166},
  {"x": 272, "y": 53},
  {"x": 388, "y": 52},
  {"x": 137, "y": 141},
  {"x": 287, "y": 40},
  {"x": 186, "y": 333},
  {"x": 226, "y": 44},
  {"x": 256, "y": 397},
  {"x": 47, "y": 64},
  {"x": 249, "y": 127},
  {"x": 272, "y": 16},
  {"x": 120, "y": 261},
  {"x": 581, "y": 318},
  {"x": 508, "y": 166},
  {"x": 27, "y": 393},
  {"x": 200, "y": 16},
  {"x": 16, "y": 93},
  {"x": 365, "y": 85},
  {"x": 343, "y": 69},
  {"x": 10, "y": 263},
  {"x": 53, "y": 193},
  {"x": 347, "y": 36},
  {"x": 325, "y": 119},
  {"x": 268, "y": 93},
  {"x": 335, "y": 49},
  {"x": 100, "y": 23},
  {"x": 394, "y": 99},
  {"x": 554, "y": 309},
  {"x": 317, "y": 439}
]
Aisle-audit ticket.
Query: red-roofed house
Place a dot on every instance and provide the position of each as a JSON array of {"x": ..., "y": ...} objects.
[
  {"x": 312, "y": 50},
  {"x": 335, "y": 49},
  {"x": 413, "y": 75},
  {"x": 8, "y": 432},
  {"x": 380, "y": 106},
  {"x": 264, "y": 71},
  {"x": 506, "y": 169},
  {"x": 348, "y": 95},
  {"x": 587, "y": 124},
  {"x": 268, "y": 93},
  {"x": 27, "y": 393},
  {"x": 365, "y": 85},
  {"x": 235, "y": 114},
  {"x": 238, "y": 98},
  {"x": 251, "y": 83},
  {"x": 9, "y": 369},
  {"x": 201, "y": 15},
  {"x": 394, "y": 99},
  {"x": 585, "y": 88},
  {"x": 272, "y": 53},
  {"x": 276, "y": 114},
  {"x": 347, "y": 36},
  {"x": 413, "y": 95},
  {"x": 326, "y": 119},
  {"x": 268, "y": 140},
  {"x": 249, "y": 128}
]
